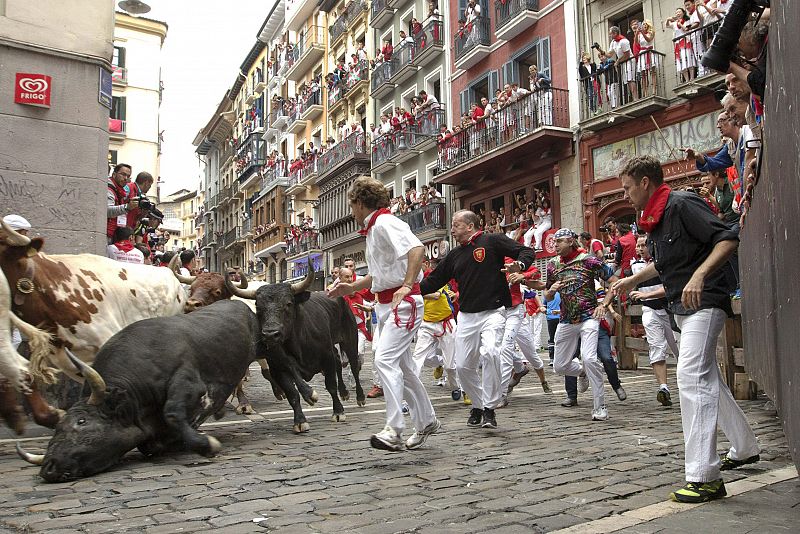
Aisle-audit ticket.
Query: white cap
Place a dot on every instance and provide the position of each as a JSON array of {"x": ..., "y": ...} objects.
[{"x": 17, "y": 222}]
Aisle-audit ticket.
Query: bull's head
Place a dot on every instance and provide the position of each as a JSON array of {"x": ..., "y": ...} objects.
[
  {"x": 276, "y": 306},
  {"x": 93, "y": 435},
  {"x": 205, "y": 288}
]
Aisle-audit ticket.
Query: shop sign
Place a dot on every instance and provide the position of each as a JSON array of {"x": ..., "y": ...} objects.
[
  {"x": 32, "y": 89},
  {"x": 300, "y": 265}
]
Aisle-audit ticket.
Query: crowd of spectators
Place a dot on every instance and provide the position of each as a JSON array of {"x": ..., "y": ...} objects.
[
  {"x": 413, "y": 200},
  {"x": 527, "y": 222},
  {"x": 302, "y": 237}
]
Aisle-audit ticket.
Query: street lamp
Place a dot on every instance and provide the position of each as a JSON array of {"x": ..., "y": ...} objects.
[{"x": 134, "y": 7}]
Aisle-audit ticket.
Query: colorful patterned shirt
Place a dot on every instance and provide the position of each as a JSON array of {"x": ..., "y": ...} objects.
[{"x": 578, "y": 296}]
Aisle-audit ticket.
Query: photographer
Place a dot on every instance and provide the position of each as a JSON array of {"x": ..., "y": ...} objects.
[
  {"x": 138, "y": 191},
  {"x": 119, "y": 200}
]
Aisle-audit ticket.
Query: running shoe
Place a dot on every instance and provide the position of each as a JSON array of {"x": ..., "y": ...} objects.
[
  {"x": 663, "y": 397},
  {"x": 621, "y": 395},
  {"x": 419, "y": 436},
  {"x": 600, "y": 414},
  {"x": 455, "y": 394},
  {"x": 488, "y": 418},
  {"x": 516, "y": 377},
  {"x": 467, "y": 400},
  {"x": 405, "y": 408},
  {"x": 694, "y": 492},
  {"x": 729, "y": 463},
  {"x": 569, "y": 402},
  {"x": 388, "y": 440},
  {"x": 438, "y": 373},
  {"x": 475, "y": 418},
  {"x": 546, "y": 387},
  {"x": 583, "y": 384}
]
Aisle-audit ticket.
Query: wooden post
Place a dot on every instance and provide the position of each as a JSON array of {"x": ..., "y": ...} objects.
[{"x": 627, "y": 346}]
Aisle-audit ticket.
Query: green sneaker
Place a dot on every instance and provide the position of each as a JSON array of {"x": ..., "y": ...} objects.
[
  {"x": 728, "y": 463},
  {"x": 694, "y": 492}
]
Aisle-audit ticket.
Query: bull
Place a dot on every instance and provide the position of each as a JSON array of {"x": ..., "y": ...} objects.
[
  {"x": 299, "y": 331},
  {"x": 207, "y": 288},
  {"x": 81, "y": 300},
  {"x": 152, "y": 385}
]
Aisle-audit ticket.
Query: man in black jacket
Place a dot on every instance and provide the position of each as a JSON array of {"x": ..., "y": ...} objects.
[
  {"x": 691, "y": 247},
  {"x": 478, "y": 267}
]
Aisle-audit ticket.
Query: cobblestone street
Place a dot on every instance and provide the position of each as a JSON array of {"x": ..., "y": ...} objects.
[{"x": 545, "y": 468}]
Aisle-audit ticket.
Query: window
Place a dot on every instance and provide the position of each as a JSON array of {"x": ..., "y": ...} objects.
[
  {"x": 436, "y": 89},
  {"x": 118, "y": 58},
  {"x": 118, "y": 107},
  {"x": 516, "y": 70},
  {"x": 623, "y": 21}
]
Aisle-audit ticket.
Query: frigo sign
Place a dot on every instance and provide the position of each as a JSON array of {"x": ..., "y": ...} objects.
[
  {"x": 436, "y": 250},
  {"x": 32, "y": 89}
]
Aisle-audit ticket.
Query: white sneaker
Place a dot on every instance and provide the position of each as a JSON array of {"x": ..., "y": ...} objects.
[
  {"x": 583, "y": 384},
  {"x": 419, "y": 436},
  {"x": 388, "y": 440},
  {"x": 600, "y": 414}
]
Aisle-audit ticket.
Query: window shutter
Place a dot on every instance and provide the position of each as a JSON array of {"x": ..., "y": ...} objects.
[
  {"x": 494, "y": 83},
  {"x": 510, "y": 72},
  {"x": 121, "y": 58},
  {"x": 464, "y": 101},
  {"x": 544, "y": 57},
  {"x": 462, "y": 6}
]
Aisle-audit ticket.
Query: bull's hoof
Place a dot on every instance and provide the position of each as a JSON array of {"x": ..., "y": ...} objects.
[
  {"x": 214, "y": 446},
  {"x": 344, "y": 395},
  {"x": 279, "y": 394},
  {"x": 362, "y": 401},
  {"x": 302, "y": 427},
  {"x": 312, "y": 400},
  {"x": 246, "y": 409},
  {"x": 338, "y": 418}
]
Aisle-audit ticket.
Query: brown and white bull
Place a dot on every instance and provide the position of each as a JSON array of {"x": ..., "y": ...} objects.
[{"x": 81, "y": 300}]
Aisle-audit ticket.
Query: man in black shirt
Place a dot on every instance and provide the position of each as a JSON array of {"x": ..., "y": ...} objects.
[
  {"x": 478, "y": 267},
  {"x": 691, "y": 248}
]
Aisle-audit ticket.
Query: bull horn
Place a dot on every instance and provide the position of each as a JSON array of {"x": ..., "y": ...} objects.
[
  {"x": 35, "y": 459},
  {"x": 239, "y": 292},
  {"x": 299, "y": 287},
  {"x": 91, "y": 376},
  {"x": 173, "y": 266},
  {"x": 14, "y": 238},
  {"x": 243, "y": 283}
]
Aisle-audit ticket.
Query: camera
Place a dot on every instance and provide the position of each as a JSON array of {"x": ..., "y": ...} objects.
[
  {"x": 145, "y": 204},
  {"x": 726, "y": 40},
  {"x": 596, "y": 46},
  {"x": 603, "y": 229}
]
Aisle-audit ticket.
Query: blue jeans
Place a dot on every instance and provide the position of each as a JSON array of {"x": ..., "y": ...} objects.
[{"x": 604, "y": 354}]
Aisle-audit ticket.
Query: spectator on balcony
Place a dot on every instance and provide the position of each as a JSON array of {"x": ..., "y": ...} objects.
[
  {"x": 386, "y": 125},
  {"x": 361, "y": 53},
  {"x": 647, "y": 61},
  {"x": 472, "y": 11},
  {"x": 741, "y": 92},
  {"x": 428, "y": 102},
  {"x": 476, "y": 133},
  {"x": 621, "y": 48},
  {"x": 587, "y": 70},
  {"x": 696, "y": 21},
  {"x": 405, "y": 40},
  {"x": 344, "y": 130},
  {"x": 685, "y": 61},
  {"x": 386, "y": 51}
]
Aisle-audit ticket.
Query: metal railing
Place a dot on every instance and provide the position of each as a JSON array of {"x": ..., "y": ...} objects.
[
  {"x": 689, "y": 50},
  {"x": 314, "y": 98},
  {"x": 348, "y": 147},
  {"x": 336, "y": 94},
  {"x": 276, "y": 113},
  {"x": 249, "y": 154},
  {"x": 426, "y": 126},
  {"x": 612, "y": 87},
  {"x": 432, "y": 34},
  {"x": 272, "y": 175},
  {"x": 314, "y": 36},
  {"x": 378, "y": 6},
  {"x": 301, "y": 172},
  {"x": 308, "y": 241},
  {"x": 541, "y": 108},
  {"x": 119, "y": 74},
  {"x": 247, "y": 226},
  {"x": 232, "y": 235},
  {"x": 430, "y": 217},
  {"x": 506, "y": 10},
  {"x": 474, "y": 33},
  {"x": 381, "y": 74},
  {"x": 341, "y": 24}
]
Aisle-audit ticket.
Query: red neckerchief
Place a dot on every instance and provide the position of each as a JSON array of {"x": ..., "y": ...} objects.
[
  {"x": 572, "y": 255},
  {"x": 472, "y": 238},
  {"x": 124, "y": 246},
  {"x": 691, "y": 10},
  {"x": 618, "y": 37},
  {"x": 652, "y": 213},
  {"x": 371, "y": 223}
]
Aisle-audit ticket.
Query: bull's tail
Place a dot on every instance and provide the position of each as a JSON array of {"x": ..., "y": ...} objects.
[{"x": 39, "y": 342}]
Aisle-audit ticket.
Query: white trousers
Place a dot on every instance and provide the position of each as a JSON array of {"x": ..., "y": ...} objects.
[
  {"x": 705, "y": 399},
  {"x": 516, "y": 332},
  {"x": 566, "y": 341},
  {"x": 528, "y": 236},
  {"x": 395, "y": 365},
  {"x": 433, "y": 336},
  {"x": 539, "y": 230},
  {"x": 478, "y": 339},
  {"x": 537, "y": 323},
  {"x": 659, "y": 334}
]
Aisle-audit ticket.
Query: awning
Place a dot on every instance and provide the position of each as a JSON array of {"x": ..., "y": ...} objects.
[{"x": 277, "y": 247}]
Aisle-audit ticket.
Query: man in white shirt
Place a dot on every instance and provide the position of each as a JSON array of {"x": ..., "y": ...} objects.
[
  {"x": 626, "y": 67},
  {"x": 394, "y": 257},
  {"x": 122, "y": 249},
  {"x": 429, "y": 102}
]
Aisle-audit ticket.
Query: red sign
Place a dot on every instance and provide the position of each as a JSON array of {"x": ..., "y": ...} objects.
[
  {"x": 549, "y": 245},
  {"x": 32, "y": 89}
]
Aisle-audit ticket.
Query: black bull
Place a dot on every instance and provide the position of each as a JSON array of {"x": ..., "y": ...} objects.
[
  {"x": 152, "y": 385},
  {"x": 299, "y": 331}
]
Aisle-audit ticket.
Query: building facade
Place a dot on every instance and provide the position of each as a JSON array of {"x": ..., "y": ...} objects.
[
  {"x": 661, "y": 109},
  {"x": 53, "y": 166},
  {"x": 133, "y": 126}
]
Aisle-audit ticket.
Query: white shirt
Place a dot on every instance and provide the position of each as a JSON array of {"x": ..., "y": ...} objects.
[
  {"x": 620, "y": 47},
  {"x": 134, "y": 255},
  {"x": 431, "y": 102},
  {"x": 388, "y": 243},
  {"x": 638, "y": 264}
]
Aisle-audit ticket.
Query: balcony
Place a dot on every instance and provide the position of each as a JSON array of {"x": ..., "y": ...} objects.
[
  {"x": 537, "y": 121},
  {"x": 298, "y": 11},
  {"x": 269, "y": 239},
  {"x": 472, "y": 43},
  {"x": 224, "y": 195},
  {"x": 303, "y": 244},
  {"x": 512, "y": 17},
  {"x": 119, "y": 75},
  {"x": 273, "y": 177},
  {"x": 249, "y": 158},
  {"x": 277, "y": 118},
  {"x": 346, "y": 20},
  {"x": 428, "y": 43},
  {"x": 403, "y": 63},
  {"x": 427, "y": 219},
  {"x": 213, "y": 204},
  {"x": 382, "y": 149},
  {"x": 294, "y": 124},
  {"x": 396, "y": 147},
  {"x": 428, "y": 127},
  {"x": 233, "y": 236},
  {"x": 307, "y": 52},
  {"x": 247, "y": 226},
  {"x": 312, "y": 106},
  {"x": 382, "y": 13},
  {"x": 696, "y": 79},
  {"x": 606, "y": 97},
  {"x": 350, "y": 150},
  {"x": 380, "y": 80},
  {"x": 336, "y": 96},
  {"x": 117, "y": 128}
]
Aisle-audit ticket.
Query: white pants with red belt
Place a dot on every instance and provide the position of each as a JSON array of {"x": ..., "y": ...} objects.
[
  {"x": 395, "y": 364},
  {"x": 659, "y": 334},
  {"x": 478, "y": 339},
  {"x": 566, "y": 340},
  {"x": 705, "y": 399},
  {"x": 433, "y": 336}
]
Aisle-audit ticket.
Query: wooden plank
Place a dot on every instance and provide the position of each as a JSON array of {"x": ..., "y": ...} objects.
[
  {"x": 634, "y": 310},
  {"x": 743, "y": 387},
  {"x": 738, "y": 356},
  {"x": 637, "y": 344},
  {"x": 627, "y": 358}
]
